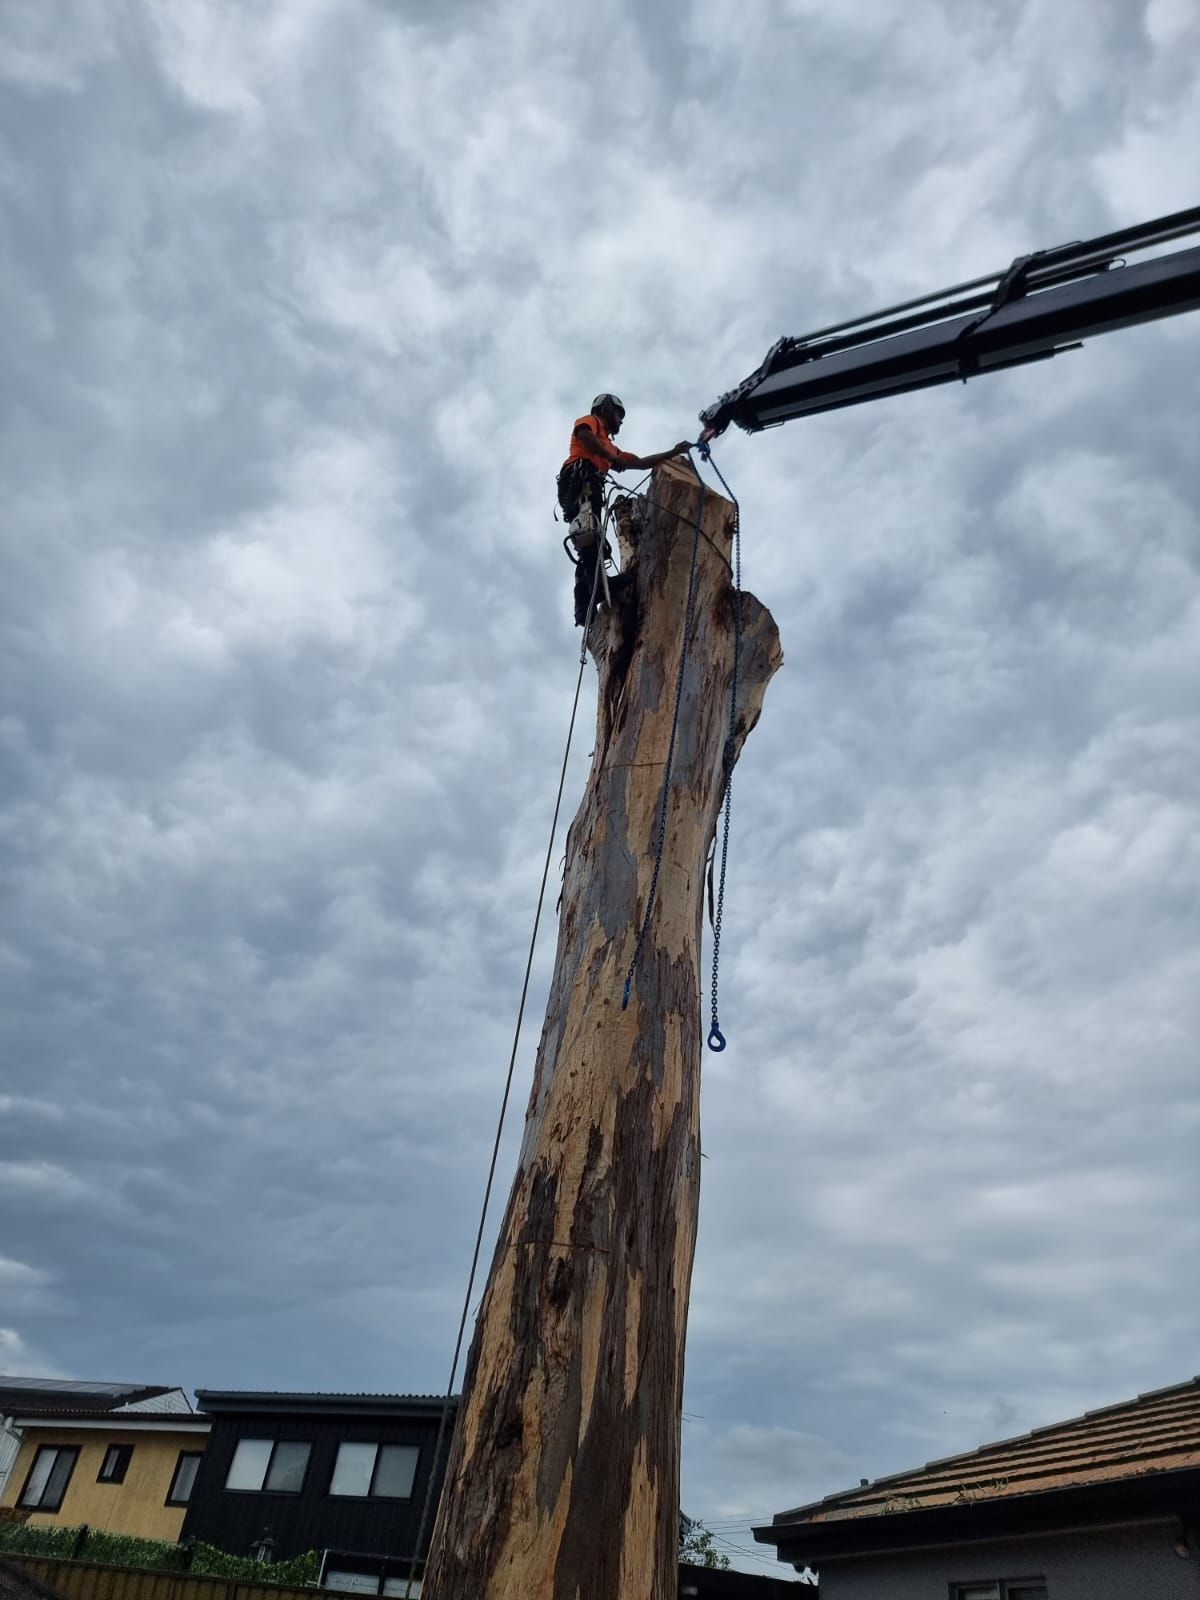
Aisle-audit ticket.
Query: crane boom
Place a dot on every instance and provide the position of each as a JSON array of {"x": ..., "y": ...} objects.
[{"x": 1044, "y": 303}]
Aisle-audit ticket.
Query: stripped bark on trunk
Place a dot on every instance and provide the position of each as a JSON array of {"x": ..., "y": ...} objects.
[{"x": 563, "y": 1478}]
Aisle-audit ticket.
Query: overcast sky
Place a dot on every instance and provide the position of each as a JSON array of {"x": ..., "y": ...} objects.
[{"x": 298, "y": 301}]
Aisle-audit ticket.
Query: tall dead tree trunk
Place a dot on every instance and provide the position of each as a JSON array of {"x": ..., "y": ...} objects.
[{"x": 563, "y": 1478}]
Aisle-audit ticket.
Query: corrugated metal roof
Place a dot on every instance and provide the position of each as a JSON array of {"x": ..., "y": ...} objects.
[
  {"x": 235, "y": 1400},
  {"x": 313, "y": 1394},
  {"x": 1157, "y": 1432}
]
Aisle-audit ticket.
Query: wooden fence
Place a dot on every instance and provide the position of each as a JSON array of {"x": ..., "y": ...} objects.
[{"x": 88, "y": 1580}]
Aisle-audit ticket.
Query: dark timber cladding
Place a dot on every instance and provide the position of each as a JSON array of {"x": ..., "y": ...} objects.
[
  {"x": 563, "y": 1482},
  {"x": 311, "y": 1517}
]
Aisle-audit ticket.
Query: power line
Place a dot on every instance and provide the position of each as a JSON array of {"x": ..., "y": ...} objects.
[{"x": 750, "y": 1555}]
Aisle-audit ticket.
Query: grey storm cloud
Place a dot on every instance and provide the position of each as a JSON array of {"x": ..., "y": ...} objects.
[{"x": 299, "y": 302}]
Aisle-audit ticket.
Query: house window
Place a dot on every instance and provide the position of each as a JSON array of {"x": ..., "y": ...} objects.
[
  {"x": 375, "y": 1471},
  {"x": 1001, "y": 1589},
  {"x": 182, "y": 1483},
  {"x": 275, "y": 1466},
  {"x": 48, "y": 1477},
  {"x": 115, "y": 1464}
]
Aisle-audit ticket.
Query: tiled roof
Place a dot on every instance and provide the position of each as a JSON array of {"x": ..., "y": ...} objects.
[{"x": 1158, "y": 1432}]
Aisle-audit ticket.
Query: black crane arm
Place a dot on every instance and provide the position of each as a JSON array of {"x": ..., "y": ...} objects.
[{"x": 1043, "y": 304}]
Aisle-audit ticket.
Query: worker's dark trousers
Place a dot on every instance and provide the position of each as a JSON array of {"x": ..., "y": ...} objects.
[
  {"x": 579, "y": 481},
  {"x": 585, "y": 577}
]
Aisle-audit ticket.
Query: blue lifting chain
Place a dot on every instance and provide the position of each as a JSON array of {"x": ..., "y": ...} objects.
[
  {"x": 716, "y": 1039},
  {"x": 666, "y": 788}
]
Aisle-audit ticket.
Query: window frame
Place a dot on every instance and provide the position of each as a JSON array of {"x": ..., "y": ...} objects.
[
  {"x": 380, "y": 1445},
  {"x": 348, "y": 1572},
  {"x": 274, "y": 1443},
  {"x": 56, "y": 1450},
  {"x": 348, "y": 1564},
  {"x": 187, "y": 1455},
  {"x": 124, "y": 1454}
]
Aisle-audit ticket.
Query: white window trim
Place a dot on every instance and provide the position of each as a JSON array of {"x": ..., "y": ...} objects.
[
  {"x": 377, "y": 1445},
  {"x": 273, "y": 1445}
]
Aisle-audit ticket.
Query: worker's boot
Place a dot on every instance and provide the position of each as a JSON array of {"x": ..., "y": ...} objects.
[{"x": 619, "y": 585}]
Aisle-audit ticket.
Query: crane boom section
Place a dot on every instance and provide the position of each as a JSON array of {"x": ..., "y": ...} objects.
[{"x": 1044, "y": 304}]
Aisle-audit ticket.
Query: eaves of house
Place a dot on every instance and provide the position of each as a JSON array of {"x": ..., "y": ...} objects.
[{"x": 1127, "y": 1463}]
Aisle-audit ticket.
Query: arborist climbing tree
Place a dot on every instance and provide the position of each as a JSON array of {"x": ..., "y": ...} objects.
[{"x": 591, "y": 457}]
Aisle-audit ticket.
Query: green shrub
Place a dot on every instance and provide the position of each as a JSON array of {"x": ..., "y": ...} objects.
[
  {"x": 697, "y": 1547},
  {"x": 156, "y": 1555},
  {"x": 123, "y": 1550},
  {"x": 299, "y": 1572},
  {"x": 22, "y": 1538}
]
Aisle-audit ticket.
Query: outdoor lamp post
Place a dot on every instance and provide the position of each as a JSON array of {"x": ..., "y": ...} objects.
[{"x": 263, "y": 1547}]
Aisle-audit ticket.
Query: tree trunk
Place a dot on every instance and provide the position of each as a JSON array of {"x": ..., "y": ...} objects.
[{"x": 563, "y": 1478}]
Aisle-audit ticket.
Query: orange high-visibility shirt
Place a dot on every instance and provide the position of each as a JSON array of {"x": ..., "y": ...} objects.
[{"x": 580, "y": 451}]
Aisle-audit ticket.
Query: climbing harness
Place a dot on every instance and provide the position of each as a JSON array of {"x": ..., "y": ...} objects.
[{"x": 582, "y": 536}]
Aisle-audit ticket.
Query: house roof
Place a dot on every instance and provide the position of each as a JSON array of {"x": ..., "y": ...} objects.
[
  {"x": 1139, "y": 1442},
  {"x": 277, "y": 1401},
  {"x": 727, "y": 1583},
  {"x": 40, "y": 1396}
]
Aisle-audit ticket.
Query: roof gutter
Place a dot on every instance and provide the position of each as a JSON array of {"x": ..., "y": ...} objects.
[
  {"x": 1160, "y": 1520},
  {"x": 1153, "y": 1497},
  {"x": 225, "y": 1402},
  {"x": 121, "y": 1422}
]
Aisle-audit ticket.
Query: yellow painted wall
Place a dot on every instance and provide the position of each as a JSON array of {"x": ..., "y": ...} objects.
[{"x": 135, "y": 1506}]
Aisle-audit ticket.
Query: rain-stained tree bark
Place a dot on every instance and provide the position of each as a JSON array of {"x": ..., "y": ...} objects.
[{"x": 563, "y": 1478}]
